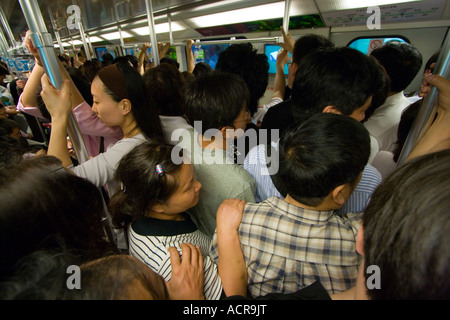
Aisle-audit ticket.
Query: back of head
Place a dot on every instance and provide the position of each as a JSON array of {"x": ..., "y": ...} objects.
[
  {"x": 402, "y": 62},
  {"x": 130, "y": 59},
  {"x": 90, "y": 69},
  {"x": 307, "y": 44},
  {"x": 407, "y": 230},
  {"x": 107, "y": 59},
  {"x": 119, "y": 277},
  {"x": 4, "y": 70},
  {"x": 171, "y": 61},
  {"x": 216, "y": 99},
  {"x": 58, "y": 210},
  {"x": 202, "y": 68},
  {"x": 137, "y": 175},
  {"x": 165, "y": 85},
  {"x": 243, "y": 60},
  {"x": 343, "y": 77},
  {"x": 318, "y": 155},
  {"x": 7, "y": 126}
]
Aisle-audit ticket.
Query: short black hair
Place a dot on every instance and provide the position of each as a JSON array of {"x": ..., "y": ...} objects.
[
  {"x": 407, "y": 231},
  {"x": 342, "y": 77},
  {"x": 164, "y": 84},
  {"x": 171, "y": 61},
  {"x": 67, "y": 213},
  {"x": 201, "y": 68},
  {"x": 307, "y": 44},
  {"x": 216, "y": 99},
  {"x": 325, "y": 151},
  {"x": 402, "y": 62},
  {"x": 242, "y": 59}
]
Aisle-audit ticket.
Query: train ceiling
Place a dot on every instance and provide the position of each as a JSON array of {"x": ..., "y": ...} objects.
[{"x": 212, "y": 18}]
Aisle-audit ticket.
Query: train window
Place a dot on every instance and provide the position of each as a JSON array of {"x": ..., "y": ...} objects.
[
  {"x": 208, "y": 53},
  {"x": 367, "y": 44},
  {"x": 271, "y": 52},
  {"x": 100, "y": 51}
]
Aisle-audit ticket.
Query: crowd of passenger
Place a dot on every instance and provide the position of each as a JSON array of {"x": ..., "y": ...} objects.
[{"x": 195, "y": 189}]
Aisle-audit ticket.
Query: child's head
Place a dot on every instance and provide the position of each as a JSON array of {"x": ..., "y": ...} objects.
[
  {"x": 217, "y": 100},
  {"x": 323, "y": 153},
  {"x": 151, "y": 184},
  {"x": 342, "y": 78}
]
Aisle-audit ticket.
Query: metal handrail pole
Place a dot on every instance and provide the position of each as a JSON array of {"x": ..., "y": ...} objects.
[
  {"x": 427, "y": 110},
  {"x": 151, "y": 26},
  {"x": 7, "y": 28},
  {"x": 43, "y": 42},
  {"x": 287, "y": 7},
  {"x": 58, "y": 37}
]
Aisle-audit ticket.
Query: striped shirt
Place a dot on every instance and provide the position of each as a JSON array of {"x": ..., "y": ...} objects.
[
  {"x": 287, "y": 248},
  {"x": 255, "y": 163},
  {"x": 150, "y": 239}
]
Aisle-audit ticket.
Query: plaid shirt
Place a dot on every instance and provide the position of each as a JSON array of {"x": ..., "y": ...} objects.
[{"x": 287, "y": 248}]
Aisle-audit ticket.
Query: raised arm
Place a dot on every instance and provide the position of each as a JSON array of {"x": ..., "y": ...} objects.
[
  {"x": 437, "y": 136},
  {"x": 280, "y": 81},
  {"x": 288, "y": 41},
  {"x": 190, "y": 56},
  {"x": 59, "y": 105},
  {"x": 29, "y": 95},
  {"x": 232, "y": 268},
  {"x": 142, "y": 57}
]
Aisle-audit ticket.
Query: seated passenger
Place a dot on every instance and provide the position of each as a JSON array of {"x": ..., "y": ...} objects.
[
  {"x": 165, "y": 85},
  {"x": 216, "y": 106},
  {"x": 321, "y": 86},
  {"x": 402, "y": 62},
  {"x": 291, "y": 243},
  {"x": 151, "y": 207}
]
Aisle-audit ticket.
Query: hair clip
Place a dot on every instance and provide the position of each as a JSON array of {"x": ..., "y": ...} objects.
[
  {"x": 122, "y": 187},
  {"x": 159, "y": 170}
]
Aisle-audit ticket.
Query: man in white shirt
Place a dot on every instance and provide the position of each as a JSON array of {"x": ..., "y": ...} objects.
[{"x": 402, "y": 62}]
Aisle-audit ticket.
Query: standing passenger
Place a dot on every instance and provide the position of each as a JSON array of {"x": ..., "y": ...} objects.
[
  {"x": 120, "y": 100},
  {"x": 151, "y": 207},
  {"x": 216, "y": 106}
]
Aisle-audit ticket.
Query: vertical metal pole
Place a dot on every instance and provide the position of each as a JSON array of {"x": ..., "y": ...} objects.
[
  {"x": 287, "y": 7},
  {"x": 116, "y": 13},
  {"x": 7, "y": 28},
  {"x": 43, "y": 42},
  {"x": 58, "y": 38},
  {"x": 83, "y": 39},
  {"x": 3, "y": 45},
  {"x": 151, "y": 26},
  {"x": 169, "y": 19},
  {"x": 427, "y": 110}
]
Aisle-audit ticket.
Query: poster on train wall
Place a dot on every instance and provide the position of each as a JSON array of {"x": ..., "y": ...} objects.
[
  {"x": 18, "y": 65},
  {"x": 392, "y": 13}
]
